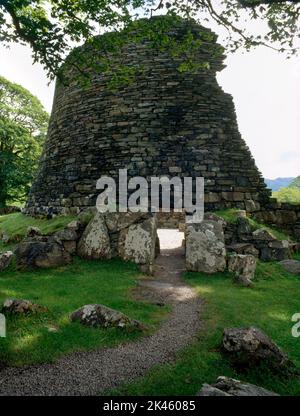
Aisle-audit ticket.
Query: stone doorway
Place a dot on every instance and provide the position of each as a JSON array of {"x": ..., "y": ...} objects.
[{"x": 170, "y": 231}]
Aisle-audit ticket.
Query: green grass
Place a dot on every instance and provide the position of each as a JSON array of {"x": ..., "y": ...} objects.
[
  {"x": 269, "y": 306},
  {"x": 230, "y": 215},
  {"x": 15, "y": 225},
  {"x": 62, "y": 291}
]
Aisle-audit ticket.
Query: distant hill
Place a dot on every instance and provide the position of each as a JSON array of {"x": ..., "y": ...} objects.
[
  {"x": 278, "y": 183},
  {"x": 295, "y": 183}
]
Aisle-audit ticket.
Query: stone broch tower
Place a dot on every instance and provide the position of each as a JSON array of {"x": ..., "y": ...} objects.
[{"x": 164, "y": 123}]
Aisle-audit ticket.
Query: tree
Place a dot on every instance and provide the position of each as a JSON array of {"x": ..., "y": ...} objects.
[
  {"x": 52, "y": 27},
  {"x": 23, "y": 124}
]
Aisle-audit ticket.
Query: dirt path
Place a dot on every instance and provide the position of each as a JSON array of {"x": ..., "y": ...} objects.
[{"x": 90, "y": 373}]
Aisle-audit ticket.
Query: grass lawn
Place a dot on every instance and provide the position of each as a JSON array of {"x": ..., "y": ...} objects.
[
  {"x": 269, "y": 306},
  {"x": 63, "y": 290},
  {"x": 16, "y": 224}
]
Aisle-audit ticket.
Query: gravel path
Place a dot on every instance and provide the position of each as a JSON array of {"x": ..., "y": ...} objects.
[{"x": 90, "y": 373}]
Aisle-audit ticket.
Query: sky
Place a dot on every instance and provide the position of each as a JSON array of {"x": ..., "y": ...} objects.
[{"x": 266, "y": 91}]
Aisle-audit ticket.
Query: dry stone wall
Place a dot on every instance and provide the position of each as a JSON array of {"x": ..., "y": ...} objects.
[
  {"x": 166, "y": 122},
  {"x": 282, "y": 215}
]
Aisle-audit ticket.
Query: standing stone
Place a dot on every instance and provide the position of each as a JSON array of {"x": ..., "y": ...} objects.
[
  {"x": 138, "y": 242},
  {"x": 95, "y": 242},
  {"x": 205, "y": 247},
  {"x": 244, "y": 266}
]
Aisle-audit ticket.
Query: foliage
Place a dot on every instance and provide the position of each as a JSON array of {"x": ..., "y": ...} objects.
[
  {"x": 23, "y": 124},
  {"x": 52, "y": 27},
  {"x": 289, "y": 194},
  {"x": 33, "y": 339},
  {"x": 229, "y": 305}
]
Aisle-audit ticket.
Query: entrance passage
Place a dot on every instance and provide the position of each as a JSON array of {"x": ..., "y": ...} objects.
[{"x": 170, "y": 239}]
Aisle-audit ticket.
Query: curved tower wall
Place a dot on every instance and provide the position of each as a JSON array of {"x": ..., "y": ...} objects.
[{"x": 164, "y": 123}]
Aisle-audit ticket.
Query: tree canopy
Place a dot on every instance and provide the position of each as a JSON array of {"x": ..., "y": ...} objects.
[
  {"x": 23, "y": 124},
  {"x": 53, "y": 27}
]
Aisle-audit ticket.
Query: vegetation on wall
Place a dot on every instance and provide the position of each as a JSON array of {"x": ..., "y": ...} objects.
[{"x": 51, "y": 28}]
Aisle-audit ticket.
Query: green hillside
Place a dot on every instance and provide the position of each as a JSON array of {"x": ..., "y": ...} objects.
[
  {"x": 290, "y": 194},
  {"x": 295, "y": 183}
]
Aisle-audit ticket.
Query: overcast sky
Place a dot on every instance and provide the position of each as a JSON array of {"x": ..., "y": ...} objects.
[{"x": 265, "y": 87}]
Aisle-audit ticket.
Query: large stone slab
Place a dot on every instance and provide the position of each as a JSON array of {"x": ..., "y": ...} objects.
[
  {"x": 138, "y": 242},
  {"x": 95, "y": 241},
  {"x": 205, "y": 247},
  {"x": 117, "y": 221}
]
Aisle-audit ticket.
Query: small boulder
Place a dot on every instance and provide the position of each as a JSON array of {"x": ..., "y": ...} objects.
[
  {"x": 210, "y": 216},
  {"x": 226, "y": 386},
  {"x": 244, "y": 266},
  {"x": 205, "y": 247},
  {"x": 5, "y": 259},
  {"x": 100, "y": 316},
  {"x": 68, "y": 238},
  {"x": 250, "y": 347},
  {"x": 41, "y": 253},
  {"x": 243, "y": 248},
  {"x": 275, "y": 250},
  {"x": 21, "y": 306},
  {"x": 33, "y": 232},
  {"x": 95, "y": 241},
  {"x": 263, "y": 234},
  {"x": 67, "y": 234},
  {"x": 74, "y": 225},
  {"x": 5, "y": 238},
  {"x": 291, "y": 266}
]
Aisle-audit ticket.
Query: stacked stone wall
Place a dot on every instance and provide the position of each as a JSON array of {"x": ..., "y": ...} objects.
[
  {"x": 166, "y": 122},
  {"x": 281, "y": 215}
]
